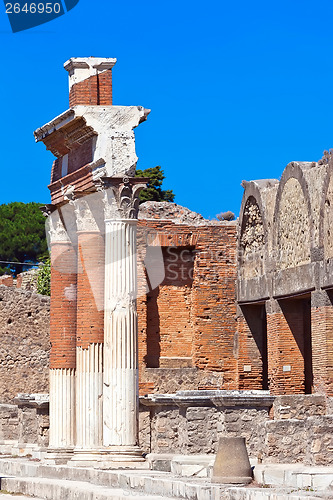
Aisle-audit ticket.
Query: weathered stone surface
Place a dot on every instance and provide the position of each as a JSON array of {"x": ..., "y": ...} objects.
[
  {"x": 299, "y": 406},
  {"x": 9, "y": 422},
  {"x": 191, "y": 423},
  {"x": 24, "y": 350},
  {"x": 252, "y": 241}
]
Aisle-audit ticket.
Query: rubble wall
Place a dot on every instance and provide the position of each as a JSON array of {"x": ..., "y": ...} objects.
[{"x": 24, "y": 349}]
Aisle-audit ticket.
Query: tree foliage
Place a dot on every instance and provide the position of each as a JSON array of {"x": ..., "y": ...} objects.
[
  {"x": 44, "y": 278},
  {"x": 154, "y": 191},
  {"x": 22, "y": 235}
]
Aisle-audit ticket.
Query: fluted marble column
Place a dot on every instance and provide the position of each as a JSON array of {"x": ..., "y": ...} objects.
[
  {"x": 120, "y": 383},
  {"x": 62, "y": 337},
  {"x": 89, "y": 334}
]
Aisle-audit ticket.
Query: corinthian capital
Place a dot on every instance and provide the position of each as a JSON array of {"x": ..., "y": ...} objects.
[{"x": 121, "y": 196}]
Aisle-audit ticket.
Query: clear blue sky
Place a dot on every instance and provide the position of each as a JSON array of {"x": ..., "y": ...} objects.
[{"x": 237, "y": 90}]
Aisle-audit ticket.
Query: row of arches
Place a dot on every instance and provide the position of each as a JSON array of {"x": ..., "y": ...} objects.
[{"x": 285, "y": 281}]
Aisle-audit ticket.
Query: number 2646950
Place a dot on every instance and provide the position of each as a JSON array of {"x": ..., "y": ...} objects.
[{"x": 33, "y": 8}]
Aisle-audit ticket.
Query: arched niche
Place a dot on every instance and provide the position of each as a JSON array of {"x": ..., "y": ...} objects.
[
  {"x": 252, "y": 240},
  {"x": 293, "y": 222}
]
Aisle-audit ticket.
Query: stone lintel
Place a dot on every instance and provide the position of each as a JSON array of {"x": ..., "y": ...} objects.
[{"x": 219, "y": 398}]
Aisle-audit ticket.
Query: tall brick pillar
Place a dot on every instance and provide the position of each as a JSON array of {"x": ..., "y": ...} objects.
[
  {"x": 89, "y": 333},
  {"x": 90, "y": 81},
  {"x": 289, "y": 345},
  {"x": 63, "y": 341},
  {"x": 322, "y": 340}
]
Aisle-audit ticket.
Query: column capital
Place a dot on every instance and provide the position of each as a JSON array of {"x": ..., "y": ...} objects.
[
  {"x": 85, "y": 212},
  {"x": 55, "y": 228},
  {"x": 121, "y": 196}
]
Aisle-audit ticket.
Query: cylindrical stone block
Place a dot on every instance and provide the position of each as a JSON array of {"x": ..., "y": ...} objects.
[{"x": 232, "y": 465}]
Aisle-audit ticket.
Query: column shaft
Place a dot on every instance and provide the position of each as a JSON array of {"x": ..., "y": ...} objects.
[
  {"x": 89, "y": 350},
  {"x": 62, "y": 356},
  {"x": 120, "y": 387}
]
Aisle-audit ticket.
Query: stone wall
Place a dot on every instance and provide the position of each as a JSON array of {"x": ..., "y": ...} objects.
[
  {"x": 191, "y": 422},
  {"x": 292, "y": 429},
  {"x": 24, "y": 350},
  {"x": 282, "y": 429},
  {"x": 9, "y": 422}
]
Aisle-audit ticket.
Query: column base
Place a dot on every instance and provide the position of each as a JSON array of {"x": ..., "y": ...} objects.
[
  {"x": 58, "y": 456},
  {"x": 113, "y": 457},
  {"x": 122, "y": 457},
  {"x": 85, "y": 458}
]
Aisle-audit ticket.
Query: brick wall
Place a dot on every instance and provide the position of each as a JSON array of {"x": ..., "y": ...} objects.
[
  {"x": 78, "y": 157},
  {"x": 189, "y": 320}
]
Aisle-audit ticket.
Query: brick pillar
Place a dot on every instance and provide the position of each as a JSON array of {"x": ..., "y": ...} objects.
[
  {"x": 252, "y": 350},
  {"x": 285, "y": 340},
  {"x": 90, "y": 81},
  {"x": 89, "y": 334},
  {"x": 63, "y": 342},
  {"x": 322, "y": 341}
]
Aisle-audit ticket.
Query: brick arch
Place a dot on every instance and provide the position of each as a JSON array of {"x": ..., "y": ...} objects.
[
  {"x": 292, "y": 228},
  {"x": 253, "y": 234},
  {"x": 326, "y": 216}
]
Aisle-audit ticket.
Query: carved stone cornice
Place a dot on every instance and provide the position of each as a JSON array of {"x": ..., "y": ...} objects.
[{"x": 121, "y": 196}]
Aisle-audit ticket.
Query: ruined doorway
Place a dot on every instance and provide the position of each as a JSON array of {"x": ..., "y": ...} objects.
[
  {"x": 169, "y": 315},
  {"x": 254, "y": 363},
  {"x": 295, "y": 345}
]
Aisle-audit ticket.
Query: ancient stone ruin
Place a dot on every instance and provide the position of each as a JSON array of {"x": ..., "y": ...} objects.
[{"x": 169, "y": 331}]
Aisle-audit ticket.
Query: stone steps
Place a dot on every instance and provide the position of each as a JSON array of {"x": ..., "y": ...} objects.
[
  {"x": 73, "y": 483},
  {"x": 295, "y": 476},
  {"x": 60, "y": 489},
  {"x": 53, "y": 489}
]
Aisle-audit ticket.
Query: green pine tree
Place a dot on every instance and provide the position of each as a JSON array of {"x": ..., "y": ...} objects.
[
  {"x": 22, "y": 236},
  {"x": 154, "y": 191}
]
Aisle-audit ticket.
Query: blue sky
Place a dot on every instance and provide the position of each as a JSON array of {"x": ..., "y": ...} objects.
[{"x": 237, "y": 90}]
